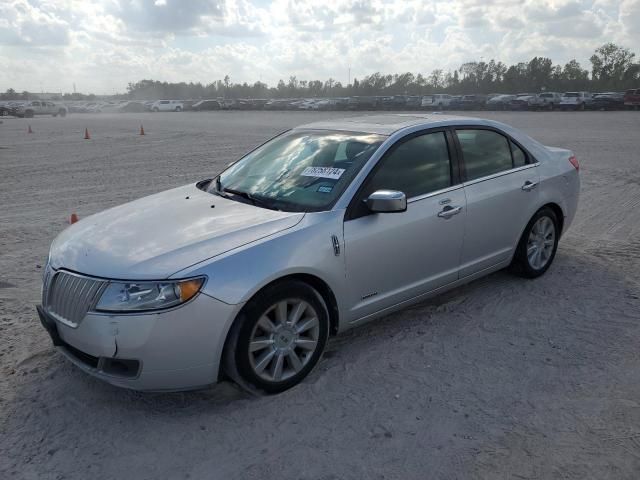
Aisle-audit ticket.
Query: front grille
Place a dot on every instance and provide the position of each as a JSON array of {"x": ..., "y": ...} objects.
[{"x": 68, "y": 297}]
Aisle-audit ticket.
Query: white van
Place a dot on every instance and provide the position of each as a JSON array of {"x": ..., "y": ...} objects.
[
  {"x": 437, "y": 100},
  {"x": 167, "y": 106}
]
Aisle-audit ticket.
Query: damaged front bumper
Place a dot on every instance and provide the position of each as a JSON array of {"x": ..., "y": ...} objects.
[{"x": 177, "y": 349}]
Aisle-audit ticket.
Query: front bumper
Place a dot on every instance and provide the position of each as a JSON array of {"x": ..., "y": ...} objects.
[{"x": 177, "y": 349}]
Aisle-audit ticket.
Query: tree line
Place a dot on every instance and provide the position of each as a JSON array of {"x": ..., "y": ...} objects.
[{"x": 613, "y": 68}]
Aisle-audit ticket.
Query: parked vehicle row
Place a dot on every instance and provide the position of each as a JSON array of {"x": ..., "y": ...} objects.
[
  {"x": 30, "y": 109},
  {"x": 439, "y": 101}
]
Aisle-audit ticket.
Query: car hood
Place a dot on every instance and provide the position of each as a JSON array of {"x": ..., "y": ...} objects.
[{"x": 157, "y": 236}]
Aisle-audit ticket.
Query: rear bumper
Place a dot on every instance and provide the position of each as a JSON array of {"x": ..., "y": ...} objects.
[{"x": 178, "y": 349}]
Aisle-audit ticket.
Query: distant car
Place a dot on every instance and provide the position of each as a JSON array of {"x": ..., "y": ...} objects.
[
  {"x": 455, "y": 103},
  {"x": 167, "y": 106},
  {"x": 368, "y": 103},
  {"x": 5, "y": 110},
  {"x": 549, "y": 100},
  {"x": 474, "y": 102},
  {"x": 437, "y": 100},
  {"x": 413, "y": 102},
  {"x": 500, "y": 102},
  {"x": 632, "y": 98},
  {"x": 339, "y": 103},
  {"x": 325, "y": 227},
  {"x": 40, "y": 107},
  {"x": 279, "y": 104},
  {"x": 575, "y": 101},
  {"x": 133, "y": 107},
  {"x": 525, "y": 101},
  {"x": 607, "y": 101},
  {"x": 325, "y": 104},
  {"x": 203, "y": 105},
  {"x": 110, "y": 107}
]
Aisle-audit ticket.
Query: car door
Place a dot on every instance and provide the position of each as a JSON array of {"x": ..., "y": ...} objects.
[
  {"x": 500, "y": 185},
  {"x": 393, "y": 257}
]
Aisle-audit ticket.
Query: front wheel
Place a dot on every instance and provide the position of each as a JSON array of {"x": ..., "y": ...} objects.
[
  {"x": 538, "y": 244},
  {"x": 277, "y": 338},
  {"x": 178, "y": 109}
]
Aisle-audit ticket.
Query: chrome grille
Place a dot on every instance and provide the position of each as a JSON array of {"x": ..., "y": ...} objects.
[{"x": 68, "y": 297}]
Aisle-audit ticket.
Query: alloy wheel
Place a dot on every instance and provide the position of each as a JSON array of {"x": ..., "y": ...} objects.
[
  {"x": 541, "y": 242},
  {"x": 283, "y": 340}
]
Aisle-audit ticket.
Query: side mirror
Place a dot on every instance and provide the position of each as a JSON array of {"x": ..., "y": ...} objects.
[{"x": 387, "y": 201}]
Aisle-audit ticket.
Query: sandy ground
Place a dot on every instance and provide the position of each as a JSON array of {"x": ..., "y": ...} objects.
[{"x": 502, "y": 379}]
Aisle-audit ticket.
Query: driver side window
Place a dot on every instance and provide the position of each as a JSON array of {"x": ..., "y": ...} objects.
[{"x": 416, "y": 166}]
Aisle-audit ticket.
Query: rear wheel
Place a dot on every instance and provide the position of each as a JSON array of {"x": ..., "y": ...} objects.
[
  {"x": 62, "y": 112},
  {"x": 178, "y": 109},
  {"x": 277, "y": 339},
  {"x": 538, "y": 244}
]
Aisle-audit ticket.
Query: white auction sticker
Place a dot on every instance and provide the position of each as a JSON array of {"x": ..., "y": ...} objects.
[{"x": 323, "y": 172}]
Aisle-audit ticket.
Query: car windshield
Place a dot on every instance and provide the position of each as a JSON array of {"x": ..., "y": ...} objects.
[{"x": 298, "y": 171}]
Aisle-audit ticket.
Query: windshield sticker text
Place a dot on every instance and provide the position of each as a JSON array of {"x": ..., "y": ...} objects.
[
  {"x": 323, "y": 172},
  {"x": 325, "y": 188}
]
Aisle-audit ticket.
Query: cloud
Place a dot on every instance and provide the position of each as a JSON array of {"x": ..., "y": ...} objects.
[
  {"x": 104, "y": 44},
  {"x": 22, "y": 23}
]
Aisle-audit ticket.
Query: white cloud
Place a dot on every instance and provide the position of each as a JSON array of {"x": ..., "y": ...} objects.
[{"x": 102, "y": 45}]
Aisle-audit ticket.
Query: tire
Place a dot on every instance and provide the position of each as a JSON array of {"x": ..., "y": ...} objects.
[
  {"x": 525, "y": 259},
  {"x": 281, "y": 358},
  {"x": 28, "y": 114},
  {"x": 155, "y": 109},
  {"x": 62, "y": 112},
  {"x": 178, "y": 109}
]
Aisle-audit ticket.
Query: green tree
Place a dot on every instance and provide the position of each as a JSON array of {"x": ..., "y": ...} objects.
[{"x": 609, "y": 64}]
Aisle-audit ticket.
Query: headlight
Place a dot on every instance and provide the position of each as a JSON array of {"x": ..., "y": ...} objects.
[{"x": 138, "y": 296}]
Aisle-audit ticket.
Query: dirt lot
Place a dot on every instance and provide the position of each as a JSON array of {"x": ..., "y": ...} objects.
[{"x": 502, "y": 379}]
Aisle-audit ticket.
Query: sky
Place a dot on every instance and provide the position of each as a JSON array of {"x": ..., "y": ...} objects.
[{"x": 101, "y": 45}]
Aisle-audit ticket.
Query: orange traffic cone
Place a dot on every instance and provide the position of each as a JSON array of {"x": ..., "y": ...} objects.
[
  {"x": 74, "y": 218},
  {"x": 29, "y": 131},
  {"x": 141, "y": 130},
  {"x": 86, "y": 134}
]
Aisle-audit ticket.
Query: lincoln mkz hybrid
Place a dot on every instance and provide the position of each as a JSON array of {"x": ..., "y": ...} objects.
[{"x": 324, "y": 227}]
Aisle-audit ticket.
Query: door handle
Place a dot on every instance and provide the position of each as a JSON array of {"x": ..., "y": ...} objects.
[
  {"x": 448, "y": 212},
  {"x": 528, "y": 186}
]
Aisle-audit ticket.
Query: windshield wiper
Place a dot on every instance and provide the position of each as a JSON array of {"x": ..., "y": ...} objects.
[{"x": 258, "y": 202}]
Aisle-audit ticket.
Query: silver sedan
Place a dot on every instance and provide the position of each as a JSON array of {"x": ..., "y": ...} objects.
[{"x": 324, "y": 227}]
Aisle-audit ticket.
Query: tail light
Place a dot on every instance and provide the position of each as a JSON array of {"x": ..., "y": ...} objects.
[{"x": 574, "y": 161}]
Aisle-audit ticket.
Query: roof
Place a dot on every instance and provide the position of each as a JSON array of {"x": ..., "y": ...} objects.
[{"x": 386, "y": 124}]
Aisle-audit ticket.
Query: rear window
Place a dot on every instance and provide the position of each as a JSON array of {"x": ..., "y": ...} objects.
[
  {"x": 571, "y": 94},
  {"x": 519, "y": 157},
  {"x": 485, "y": 152}
]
